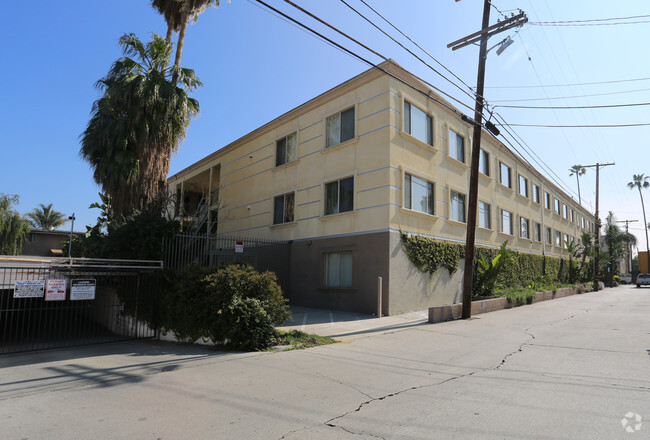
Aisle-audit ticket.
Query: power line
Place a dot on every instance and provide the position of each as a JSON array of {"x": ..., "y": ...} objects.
[
  {"x": 570, "y": 85},
  {"x": 581, "y": 126},
  {"x": 572, "y": 107},
  {"x": 593, "y": 22},
  {"x": 571, "y": 97}
]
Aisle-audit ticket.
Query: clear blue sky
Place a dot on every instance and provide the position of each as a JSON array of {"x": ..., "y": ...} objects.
[{"x": 256, "y": 67}]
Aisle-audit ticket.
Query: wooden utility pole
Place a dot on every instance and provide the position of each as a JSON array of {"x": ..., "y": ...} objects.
[
  {"x": 486, "y": 32},
  {"x": 627, "y": 238},
  {"x": 597, "y": 246}
]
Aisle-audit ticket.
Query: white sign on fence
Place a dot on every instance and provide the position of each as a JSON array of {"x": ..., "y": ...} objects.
[
  {"x": 82, "y": 289},
  {"x": 29, "y": 289},
  {"x": 239, "y": 247},
  {"x": 55, "y": 290}
]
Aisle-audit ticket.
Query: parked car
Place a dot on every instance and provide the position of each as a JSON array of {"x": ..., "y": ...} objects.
[
  {"x": 626, "y": 278},
  {"x": 643, "y": 280}
]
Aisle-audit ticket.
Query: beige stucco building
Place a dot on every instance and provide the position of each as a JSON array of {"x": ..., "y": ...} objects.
[{"x": 342, "y": 174}]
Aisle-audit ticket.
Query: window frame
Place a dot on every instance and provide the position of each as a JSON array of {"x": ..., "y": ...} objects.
[
  {"x": 464, "y": 205},
  {"x": 340, "y": 115},
  {"x": 502, "y": 165},
  {"x": 557, "y": 206},
  {"x": 525, "y": 187},
  {"x": 326, "y": 269},
  {"x": 457, "y": 135},
  {"x": 430, "y": 186},
  {"x": 408, "y": 128},
  {"x": 484, "y": 159},
  {"x": 548, "y": 201},
  {"x": 537, "y": 191},
  {"x": 511, "y": 217},
  {"x": 524, "y": 221},
  {"x": 338, "y": 208},
  {"x": 537, "y": 232},
  {"x": 558, "y": 238},
  {"x": 277, "y": 149},
  {"x": 284, "y": 207},
  {"x": 549, "y": 236},
  {"x": 489, "y": 215}
]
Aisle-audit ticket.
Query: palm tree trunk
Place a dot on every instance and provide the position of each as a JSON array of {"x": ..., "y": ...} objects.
[
  {"x": 647, "y": 245},
  {"x": 579, "y": 198},
  {"x": 185, "y": 19},
  {"x": 170, "y": 32}
]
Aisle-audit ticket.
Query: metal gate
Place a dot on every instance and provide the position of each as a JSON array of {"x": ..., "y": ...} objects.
[{"x": 68, "y": 302}]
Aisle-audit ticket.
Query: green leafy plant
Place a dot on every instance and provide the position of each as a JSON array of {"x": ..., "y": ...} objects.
[
  {"x": 428, "y": 254},
  {"x": 488, "y": 271}
]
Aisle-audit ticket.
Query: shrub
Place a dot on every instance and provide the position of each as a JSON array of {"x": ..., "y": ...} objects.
[{"x": 233, "y": 305}]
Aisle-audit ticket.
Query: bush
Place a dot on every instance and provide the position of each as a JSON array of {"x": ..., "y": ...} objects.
[{"x": 233, "y": 305}]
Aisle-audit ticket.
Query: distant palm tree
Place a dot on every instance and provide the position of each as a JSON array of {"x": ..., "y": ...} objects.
[
  {"x": 578, "y": 170},
  {"x": 46, "y": 218},
  {"x": 137, "y": 123},
  {"x": 641, "y": 181}
]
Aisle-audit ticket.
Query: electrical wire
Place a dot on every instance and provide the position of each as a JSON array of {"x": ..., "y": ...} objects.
[
  {"x": 573, "y": 107},
  {"x": 581, "y": 126},
  {"x": 571, "y": 97},
  {"x": 569, "y": 85},
  {"x": 592, "y": 22}
]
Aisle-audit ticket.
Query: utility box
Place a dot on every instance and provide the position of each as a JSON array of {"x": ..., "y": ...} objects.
[{"x": 643, "y": 262}]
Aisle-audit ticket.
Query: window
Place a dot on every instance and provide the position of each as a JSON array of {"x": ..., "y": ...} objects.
[
  {"x": 565, "y": 241},
  {"x": 285, "y": 150},
  {"x": 565, "y": 211},
  {"x": 536, "y": 193},
  {"x": 549, "y": 236},
  {"x": 456, "y": 146},
  {"x": 523, "y": 186},
  {"x": 504, "y": 175},
  {"x": 417, "y": 123},
  {"x": 547, "y": 201},
  {"x": 573, "y": 216},
  {"x": 538, "y": 232},
  {"x": 339, "y": 196},
  {"x": 557, "y": 206},
  {"x": 583, "y": 222},
  {"x": 283, "y": 208},
  {"x": 340, "y": 127},
  {"x": 506, "y": 222},
  {"x": 558, "y": 239},
  {"x": 484, "y": 215},
  {"x": 457, "y": 207},
  {"x": 418, "y": 194},
  {"x": 338, "y": 269},
  {"x": 484, "y": 162},
  {"x": 524, "y": 229}
]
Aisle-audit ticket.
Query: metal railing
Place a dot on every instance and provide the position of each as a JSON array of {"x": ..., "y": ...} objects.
[{"x": 62, "y": 303}]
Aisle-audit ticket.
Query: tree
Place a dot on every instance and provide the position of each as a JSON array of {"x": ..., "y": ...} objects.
[
  {"x": 177, "y": 15},
  {"x": 616, "y": 241},
  {"x": 578, "y": 170},
  {"x": 13, "y": 228},
  {"x": 641, "y": 181},
  {"x": 46, "y": 218},
  {"x": 137, "y": 124}
]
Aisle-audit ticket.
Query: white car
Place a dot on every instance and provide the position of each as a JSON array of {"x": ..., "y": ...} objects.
[{"x": 626, "y": 278}]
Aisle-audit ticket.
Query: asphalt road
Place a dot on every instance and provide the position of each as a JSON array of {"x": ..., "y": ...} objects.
[{"x": 571, "y": 368}]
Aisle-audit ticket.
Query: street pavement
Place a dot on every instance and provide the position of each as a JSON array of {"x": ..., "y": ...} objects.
[{"x": 572, "y": 368}]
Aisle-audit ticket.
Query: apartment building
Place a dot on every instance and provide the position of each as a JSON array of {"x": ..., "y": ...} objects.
[{"x": 341, "y": 175}]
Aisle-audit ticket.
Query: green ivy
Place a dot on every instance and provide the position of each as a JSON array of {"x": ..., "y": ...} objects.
[{"x": 429, "y": 254}]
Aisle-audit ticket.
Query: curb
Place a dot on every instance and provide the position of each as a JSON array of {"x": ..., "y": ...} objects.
[{"x": 454, "y": 311}]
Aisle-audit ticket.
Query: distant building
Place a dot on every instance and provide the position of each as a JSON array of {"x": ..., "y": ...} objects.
[
  {"x": 343, "y": 173},
  {"x": 44, "y": 243}
]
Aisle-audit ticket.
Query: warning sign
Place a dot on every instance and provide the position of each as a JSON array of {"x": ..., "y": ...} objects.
[
  {"x": 55, "y": 290},
  {"x": 82, "y": 289},
  {"x": 239, "y": 247},
  {"x": 29, "y": 289}
]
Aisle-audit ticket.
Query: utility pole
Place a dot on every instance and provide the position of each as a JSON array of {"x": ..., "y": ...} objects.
[
  {"x": 486, "y": 32},
  {"x": 597, "y": 166},
  {"x": 627, "y": 238}
]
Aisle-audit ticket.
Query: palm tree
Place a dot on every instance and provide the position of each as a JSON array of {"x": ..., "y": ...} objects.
[
  {"x": 177, "y": 14},
  {"x": 137, "y": 123},
  {"x": 46, "y": 218},
  {"x": 641, "y": 181},
  {"x": 578, "y": 170}
]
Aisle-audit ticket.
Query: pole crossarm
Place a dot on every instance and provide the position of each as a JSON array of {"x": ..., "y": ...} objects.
[{"x": 487, "y": 32}]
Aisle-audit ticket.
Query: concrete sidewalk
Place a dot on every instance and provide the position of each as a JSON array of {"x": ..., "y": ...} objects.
[{"x": 346, "y": 326}]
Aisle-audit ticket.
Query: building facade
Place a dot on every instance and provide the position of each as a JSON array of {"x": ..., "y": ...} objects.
[{"x": 341, "y": 175}]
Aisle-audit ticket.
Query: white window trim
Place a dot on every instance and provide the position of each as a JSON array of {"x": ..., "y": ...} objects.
[
  {"x": 405, "y": 170},
  {"x": 458, "y": 132},
  {"x": 427, "y": 111},
  {"x": 491, "y": 228},
  {"x": 512, "y": 221},
  {"x": 528, "y": 187},
  {"x": 529, "y": 228},
  {"x": 532, "y": 193},
  {"x": 459, "y": 191},
  {"x": 511, "y": 176}
]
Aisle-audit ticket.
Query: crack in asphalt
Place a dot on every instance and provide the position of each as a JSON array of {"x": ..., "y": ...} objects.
[{"x": 354, "y": 433}]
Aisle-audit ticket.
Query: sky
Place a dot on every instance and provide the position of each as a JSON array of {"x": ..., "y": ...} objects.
[{"x": 256, "y": 66}]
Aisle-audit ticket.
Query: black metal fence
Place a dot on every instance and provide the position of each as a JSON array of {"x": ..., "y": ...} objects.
[
  {"x": 68, "y": 303},
  {"x": 212, "y": 250}
]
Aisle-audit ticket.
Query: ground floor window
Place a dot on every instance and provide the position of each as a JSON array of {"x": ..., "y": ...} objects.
[{"x": 338, "y": 269}]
